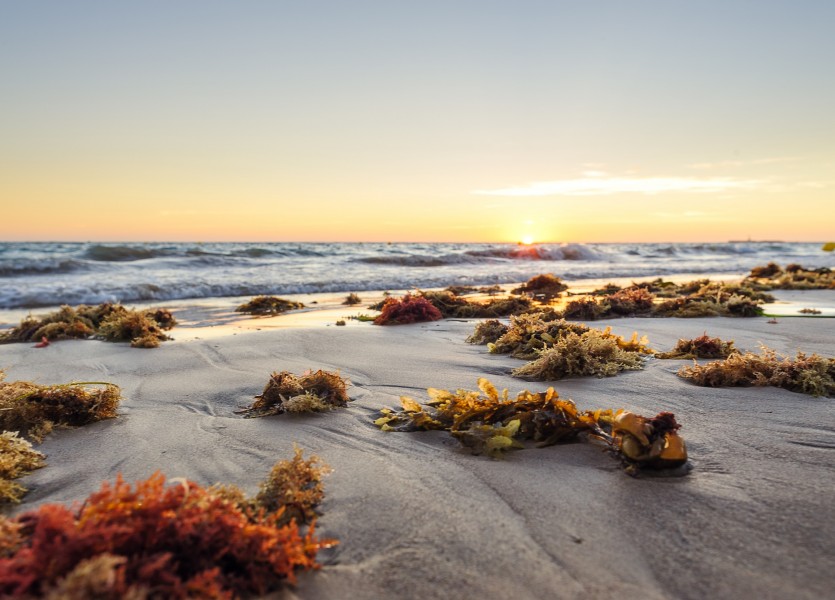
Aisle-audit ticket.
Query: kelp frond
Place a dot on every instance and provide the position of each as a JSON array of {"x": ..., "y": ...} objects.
[
  {"x": 591, "y": 353},
  {"x": 700, "y": 347},
  {"x": 17, "y": 458},
  {"x": 268, "y": 305},
  {"x": 544, "y": 287},
  {"x": 111, "y": 322},
  {"x": 35, "y": 409},
  {"x": 166, "y": 540},
  {"x": 492, "y": 423},
  {"x": 313, "y": 391},
  {"x": 487, "y": 332},
  {"x": 814, "y": 375},
  {"x": 408, "y": 309}
]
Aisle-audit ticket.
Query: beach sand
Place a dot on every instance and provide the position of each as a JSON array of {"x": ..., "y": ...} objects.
[{"x": 419, "y": 517}]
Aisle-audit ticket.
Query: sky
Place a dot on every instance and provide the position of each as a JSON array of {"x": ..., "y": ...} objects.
[{"x": 472, "y": 121}]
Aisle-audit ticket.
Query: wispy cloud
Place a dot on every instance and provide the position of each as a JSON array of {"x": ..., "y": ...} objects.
[
  {"x": 725, "y": 164},
  {"x": 599, "y": 184}
]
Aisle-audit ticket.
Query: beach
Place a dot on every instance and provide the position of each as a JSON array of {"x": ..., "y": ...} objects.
[{"x": 418, "y": 516}]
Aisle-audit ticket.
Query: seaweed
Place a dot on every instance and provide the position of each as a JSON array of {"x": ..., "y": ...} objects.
[
  {"x": 268, "y": 305},
  {"x": 794, "y": 277},
  {"x": 352, "y": 299},
  {"x": 591, "y": 353},
  {"x": 630, "y": 301},
  {"x": 487, "y": 422},
  {"x": 35, "y": 409},
  {"x": 528, "y": 334},
  {"x": 408, "y": 309},
  {"x": 456, "y": 307},
  {"x": 809, "y": 311},
  {"x": 813, "y": 375},
  {"x": 586, "y": 309},
  {"x": 700, "y": 347},
  {"x": 310, "y": 392},
  {"x": 544, "y": 287},
  {"x": 17, "y": 458},
  {"x": 111, "y": 322},
  {"x": 294, "y": 487},
  {"x": 487, "y": 332},
  {"x": 180, "y": 540}
]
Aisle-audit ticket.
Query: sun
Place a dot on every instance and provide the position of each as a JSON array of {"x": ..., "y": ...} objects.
[{"x": 527, "y": 240}]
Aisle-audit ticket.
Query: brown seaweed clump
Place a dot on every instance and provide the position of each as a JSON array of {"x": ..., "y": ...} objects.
[
  {"x": 408, "y": 309},
  {"x": 456, "y": 307},
  {"x": 544, "y": 287},
  {"x": 586, "y": 309},
  {"x": 528, "y": 335},
  {"x": 487, "y": 332},
  {"x": 630, "y": 302},
  {"x": 594, "y": 352},
  {"x": 794, "y": 277},
  {"x": 311, "y": 392},
  {"x": 111, "y": 322},
  {"x": 17, "y": 458},
  {"x": 351, "y": 300},
  {"x": 700, "y": 347},
  {"x": 698, "y": 305},
  {"x": 268, "y": 305},
  {"x": 35, "y": 409},
  {"x": 491, "y": 423},
  {"x": 158, "y": 539},
  {"x": 813, "y": 375}
]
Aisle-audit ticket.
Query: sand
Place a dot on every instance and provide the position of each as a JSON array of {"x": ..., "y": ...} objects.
[{"x": 418, "y": 517}]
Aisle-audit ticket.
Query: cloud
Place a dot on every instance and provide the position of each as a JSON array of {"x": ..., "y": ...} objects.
[
  {"x": 724, "y": 164},
  {"x": 600, "y": 185}
]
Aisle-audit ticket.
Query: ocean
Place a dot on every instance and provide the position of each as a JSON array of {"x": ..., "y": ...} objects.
[{"x": 49, "y": 274}]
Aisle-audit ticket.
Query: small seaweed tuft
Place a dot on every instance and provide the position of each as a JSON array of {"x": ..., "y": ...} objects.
[
  {"x": 544, "y": 287},
  {"x": 17, "y": 458},
  {"x": 313, "y": 391},
  {"x": 161, "y": 540},
  {"x": 351, "y": 300},
  {"x": 700, "y": 347},
  {"x": 268, "y": 305},
  {"x": 408, "y": 309},
  {"x": 487, "y": 332},
  {"x": 813, "y": 375}
]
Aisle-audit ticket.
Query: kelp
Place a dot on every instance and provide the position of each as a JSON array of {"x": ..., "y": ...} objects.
[
  {"x": 491, "y": 423},
  {"x": 590, "y": 353},
  {"x": 544, "y": 287},
  {"x": 312, "y": 391},
  {"x": 794, "y": 277},
  {"x": 700, "y": 347},
  {"x": 17, "y": 458},
  {"x": 111, "y": 322},
  {"x": 35, "y": 409},
  {"x": 487, "y": 332},
  {"x": 162, "y": 539},
  {"x": 351, "y": 300},
  {"x": 408, "y": 309},
  {"x": 268, "y": 305},
  {"x": 813, "y": 375}
]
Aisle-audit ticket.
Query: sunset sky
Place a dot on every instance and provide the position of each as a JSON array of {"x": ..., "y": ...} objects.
[{"x": 417, "y": 121}]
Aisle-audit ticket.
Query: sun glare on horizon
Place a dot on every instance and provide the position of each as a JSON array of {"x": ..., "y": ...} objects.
[{"x": 527, "y": 240}]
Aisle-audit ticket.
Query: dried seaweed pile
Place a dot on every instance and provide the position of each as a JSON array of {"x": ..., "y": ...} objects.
[
  {"x": 111, "y": 322},
  {"x": 17, "y": 458},
  {"x": 490, "y": 423},
  {"x": 543, "y": 287},
  {"x": 559, "y": 349},
  {"x": 35, "y": 410},
  {"x": 793, "y": 277},
  {"x": 310, "y": 392},
  {"x": 268, "y": 305},
  {"x": 179, "y": 540},
  {"x": 812, "y": 375},
  {"x": 455, "y": 307},
  {"x": 700, "y": 347}
]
